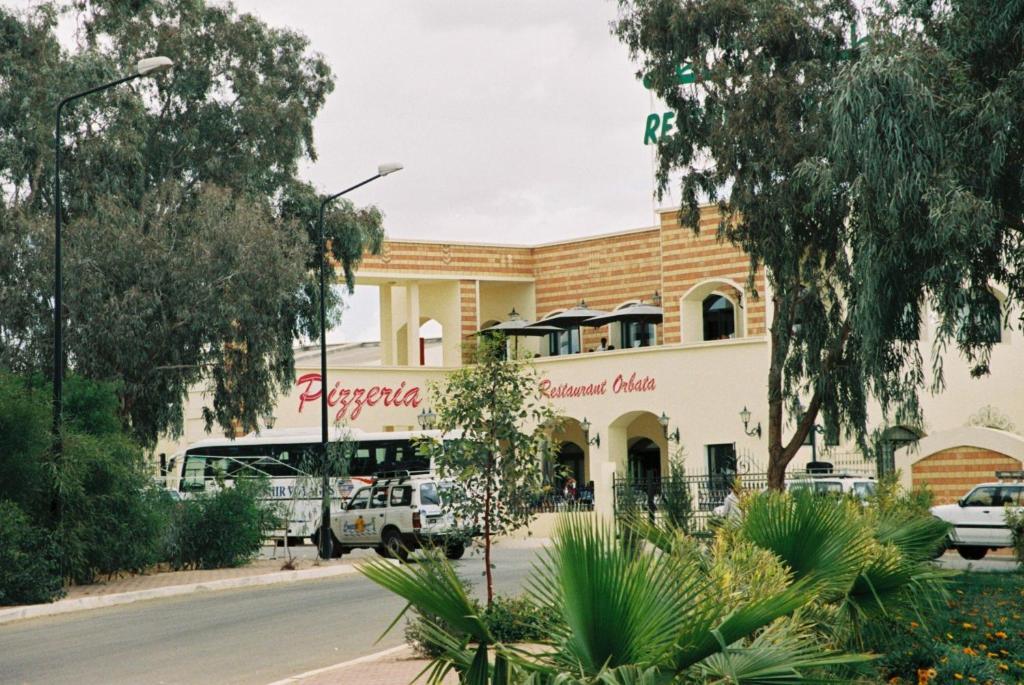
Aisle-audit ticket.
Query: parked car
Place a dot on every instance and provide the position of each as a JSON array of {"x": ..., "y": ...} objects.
[
  {"x": 396, "y": 515},
  {"x": 979, "y": 517},
  {"x": 861, "y": 487}
]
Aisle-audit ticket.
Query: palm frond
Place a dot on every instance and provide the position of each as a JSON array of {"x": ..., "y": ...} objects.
[
  {"x": 619, "y": 607},
  {"x": 818, "y": 538}
]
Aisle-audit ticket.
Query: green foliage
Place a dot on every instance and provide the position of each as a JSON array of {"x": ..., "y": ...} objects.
[
  {"x": 189, "y": 240},
  {"x": 510, "y": 620},
  {"x": 110, "y": 518},
  {"x": 929, "y": 136},
  {"x": 504, "y": 422},
  {"x": 96, "y": 511},
  {"x": 24, "y": 441},
  {"x": 220, "y": 530},
  {"x": 29, "y": 568},
  {"x": 978, "y": 633},
  {"x": 1015, "y": 521},
  {"x": 745, "y": 131},
  {"x": 676, "y": 499},
  {"x": 617, "y": 616}
]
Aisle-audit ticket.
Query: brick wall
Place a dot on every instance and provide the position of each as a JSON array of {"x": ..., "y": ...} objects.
[
  {"x": 952, "y": 472},
  {"x": 606, "y": 271},
  {"x": 690, "y": 258},
  {"x": 467, "y": 311},
  {"x": 400, "y": 256}
]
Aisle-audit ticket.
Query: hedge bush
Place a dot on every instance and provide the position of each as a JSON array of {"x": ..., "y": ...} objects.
[
  {"x": 29, "y": 570},
  {"x": 221, "y": 529}
]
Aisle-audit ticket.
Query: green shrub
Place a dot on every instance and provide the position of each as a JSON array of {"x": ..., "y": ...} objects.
[
  {"x": 222, "y": 529},
  {"x": 517, "y": 619},
  {"x": 1015, "y": 520},
  {"x": 112, "y": 516},
  {"x": 29, "y": 571},
  {"x": 25, "y": 439}
]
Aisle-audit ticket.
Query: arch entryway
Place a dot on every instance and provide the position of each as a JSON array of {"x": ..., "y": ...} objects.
[
  {"x": 952, "y": 462},
  {"x": 643, "y": 460}
]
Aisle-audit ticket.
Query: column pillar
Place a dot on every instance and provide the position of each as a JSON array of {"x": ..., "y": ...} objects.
[
  {"x": 412, "y": 323},
  {"x": 387, "y": 330}
]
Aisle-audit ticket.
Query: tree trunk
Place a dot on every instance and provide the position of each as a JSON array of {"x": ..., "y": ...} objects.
[{"x": 487, "y": 537}]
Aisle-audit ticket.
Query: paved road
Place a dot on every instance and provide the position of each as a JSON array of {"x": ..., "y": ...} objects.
[{"x": 253, "y": 635}]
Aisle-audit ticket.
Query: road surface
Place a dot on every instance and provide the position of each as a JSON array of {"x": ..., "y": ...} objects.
[{"x": 252, "y": 635}]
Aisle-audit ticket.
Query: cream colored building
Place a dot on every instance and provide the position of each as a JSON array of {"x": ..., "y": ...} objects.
[{"x": 708, "y": 360}]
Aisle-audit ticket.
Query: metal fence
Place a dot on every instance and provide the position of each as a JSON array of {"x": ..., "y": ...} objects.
[{"x": 692, "y": 498}]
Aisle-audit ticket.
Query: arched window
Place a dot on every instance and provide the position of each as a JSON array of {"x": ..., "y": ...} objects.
[{"x": 719, "y": 317}]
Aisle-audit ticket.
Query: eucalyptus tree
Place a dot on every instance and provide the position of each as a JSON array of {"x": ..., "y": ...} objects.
[
  {"x": 929, "y": 136},
  {"x": 865, "y": 176},
  {"x": 190, "y": 249},
  {"x": 751, "y": 120}
]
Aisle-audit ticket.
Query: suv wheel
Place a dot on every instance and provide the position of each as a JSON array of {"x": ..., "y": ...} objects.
[
  {"x": 379, "y": 549},
  {"x": 454, "y": 550},
  {"x": 392, "y": 540},
  {"x": 972, "y": 553}
]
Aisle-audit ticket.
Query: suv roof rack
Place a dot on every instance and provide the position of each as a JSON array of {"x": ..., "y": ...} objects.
[
  {"x": 1010, "y": 475},
  {"x": 841, "y": 473},
  {"x": 400, "y": 475}
]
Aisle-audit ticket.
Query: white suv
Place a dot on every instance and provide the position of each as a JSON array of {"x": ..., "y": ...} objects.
[
  {"x": 979, "y": 517},
  {"x": 397, "y": 515},
  {"x": 861, "y": 487}
]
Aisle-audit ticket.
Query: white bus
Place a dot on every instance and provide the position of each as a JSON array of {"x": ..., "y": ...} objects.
[{"x": 284, "y": 456}]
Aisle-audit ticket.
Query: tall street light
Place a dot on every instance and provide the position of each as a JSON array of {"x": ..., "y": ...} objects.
[
  {"x": 325, "y": 485},
  {"x": 144, "y": 67}
]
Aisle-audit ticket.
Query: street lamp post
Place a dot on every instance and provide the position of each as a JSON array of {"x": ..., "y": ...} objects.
[
  {"x": 144, "y": 67},
  {"x": 325, "y": 485}
]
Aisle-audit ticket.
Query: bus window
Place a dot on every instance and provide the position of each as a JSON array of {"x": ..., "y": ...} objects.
[{"x": 194, "y": 476}]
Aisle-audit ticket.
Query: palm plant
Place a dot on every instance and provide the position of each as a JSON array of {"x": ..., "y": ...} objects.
[
  {"x": 626, "y": 615},
  {"x": 865, "y": 563}
]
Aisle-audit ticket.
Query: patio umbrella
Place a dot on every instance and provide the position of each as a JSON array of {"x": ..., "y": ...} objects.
[
  {"x": 517, "y": 326},
  {"x": 639, "y": 313},
  {"x": 571, "y": 318}
]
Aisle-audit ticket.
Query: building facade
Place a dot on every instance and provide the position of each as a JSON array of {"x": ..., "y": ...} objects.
[{"x": 700, "y": 367}]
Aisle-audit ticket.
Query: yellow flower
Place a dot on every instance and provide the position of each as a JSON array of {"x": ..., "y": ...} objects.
[
  {"x": 968, "y": 626},
  {"x": 970, "y": 652},
  {"x": 1001, "y": 635},
  {"x": 1004, "y": 667},
  {"x": 958, "y": 676}
]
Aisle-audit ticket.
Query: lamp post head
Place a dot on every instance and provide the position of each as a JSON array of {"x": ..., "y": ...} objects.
[
  {"x": 153, "y": 65},
  {"x": 585, "y": 425},
  {"x": 745, "y": 416},
  {"x": 663, "y": 420},
  {"x": 390, "y": 168}
]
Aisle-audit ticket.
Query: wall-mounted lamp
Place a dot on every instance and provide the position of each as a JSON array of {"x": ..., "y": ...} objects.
[
  {"x": 674, "y": 435},
  {"x": 426, "y": 418},
  {"x": 745, "y": 418},
  {"x": 269, "y": 420},
  {"x": 596, "y": 440},
  {"x": 656, "y": 300}
]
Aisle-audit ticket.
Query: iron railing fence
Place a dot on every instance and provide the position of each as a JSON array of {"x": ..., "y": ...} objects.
[{"x": 692, "y": 498}]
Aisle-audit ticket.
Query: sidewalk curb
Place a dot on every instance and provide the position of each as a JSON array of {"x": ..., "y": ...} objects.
[
  {"x": 65, "y": 606},
  {"x": 376, "y": 656}
]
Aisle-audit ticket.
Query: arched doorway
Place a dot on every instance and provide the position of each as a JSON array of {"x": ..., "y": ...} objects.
[
  {"x": 643, "y": 460},
  {"x": 569, "y": 464}
]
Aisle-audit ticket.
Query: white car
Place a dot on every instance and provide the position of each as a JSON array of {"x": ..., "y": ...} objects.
[
  {"x": 395, "y": 516},
  {"x": 861, "y": 487},
  {"x": 979, "y": 517}
]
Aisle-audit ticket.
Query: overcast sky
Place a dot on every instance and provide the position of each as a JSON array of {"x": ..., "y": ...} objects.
[{"x": 517, "y": 121}]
